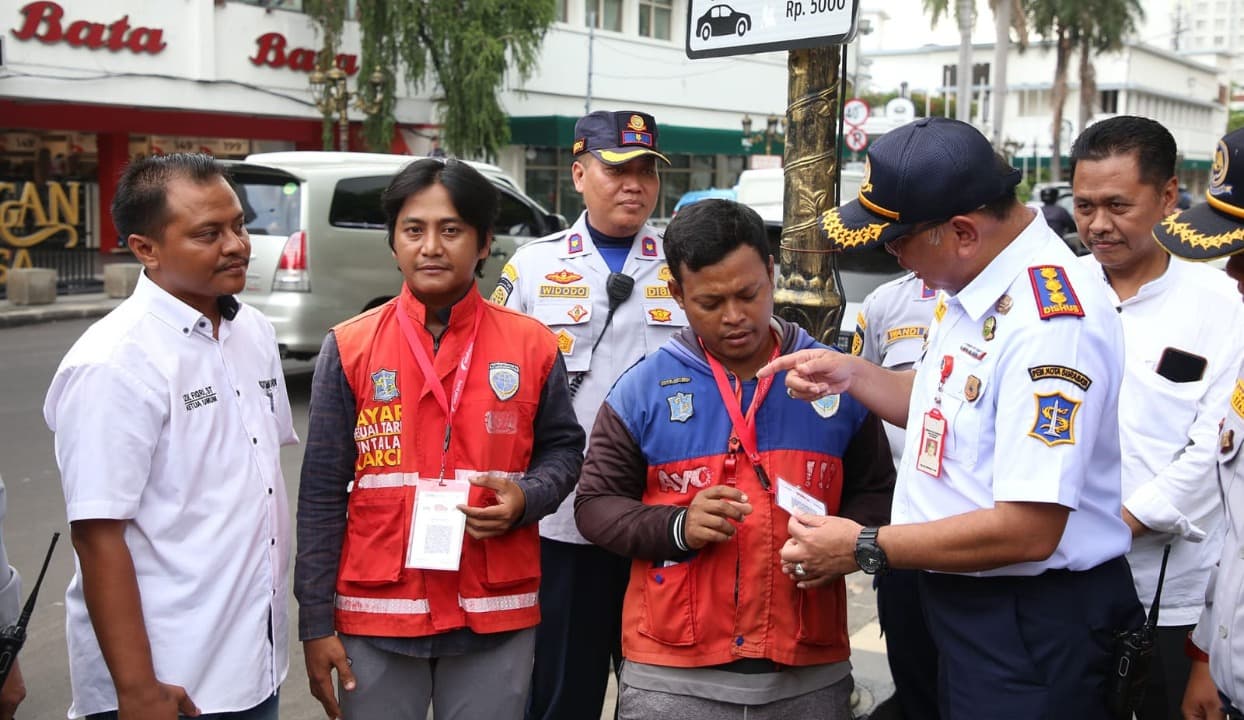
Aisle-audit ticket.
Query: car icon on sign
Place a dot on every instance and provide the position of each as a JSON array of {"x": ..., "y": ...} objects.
[{"x": 722, "y": 20}]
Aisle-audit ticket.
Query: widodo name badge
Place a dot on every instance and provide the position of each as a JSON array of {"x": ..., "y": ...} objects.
[
  {"x": 437, "y": 525},
  {"x": 933, "y": 428}
]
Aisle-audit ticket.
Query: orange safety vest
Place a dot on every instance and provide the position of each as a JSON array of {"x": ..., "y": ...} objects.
[
  {"x": 680, "y": 615},
  {"x": 399, "y": 432}
]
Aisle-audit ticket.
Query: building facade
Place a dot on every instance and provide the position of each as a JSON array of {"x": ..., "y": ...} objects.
[{"x": 86, "y": 86}]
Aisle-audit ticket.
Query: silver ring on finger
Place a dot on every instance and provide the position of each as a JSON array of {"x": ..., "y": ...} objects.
[{"x": 799, "y": 570}]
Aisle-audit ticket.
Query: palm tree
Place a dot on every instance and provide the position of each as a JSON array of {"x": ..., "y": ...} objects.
[
  {"x": 1089, "y": 26},
  {"x": 1008, "y": 15}
]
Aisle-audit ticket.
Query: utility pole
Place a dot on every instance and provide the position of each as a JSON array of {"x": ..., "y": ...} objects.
[
  {"x": 806, "y": 289},
  {"x": 591, "y": 41},
  {"x": 963, "y": 111}
]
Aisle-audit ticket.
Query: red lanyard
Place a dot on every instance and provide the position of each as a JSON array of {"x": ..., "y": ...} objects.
[
  {"x": 448, "y": 405},
  {"x": 744, "y": 433}
]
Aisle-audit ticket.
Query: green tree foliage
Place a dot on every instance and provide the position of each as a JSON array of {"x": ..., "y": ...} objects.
[
  {"x": 330, "y": 16},
  {"x": 460, "y": 48},
  {"x": 1235, "y": 121}
]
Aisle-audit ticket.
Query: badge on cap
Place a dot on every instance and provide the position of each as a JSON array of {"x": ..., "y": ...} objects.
[
  {"x": 1055, "y": 419},
  {"x": 681, "y": 408},
  {"x": 503, "y": 378},
  {"x": 384, "y": 385}
]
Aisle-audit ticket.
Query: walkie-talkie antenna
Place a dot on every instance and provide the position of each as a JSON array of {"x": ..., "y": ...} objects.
[
  {"x": 14, "y": 636},
  {"x": 1152, "y": 622}
]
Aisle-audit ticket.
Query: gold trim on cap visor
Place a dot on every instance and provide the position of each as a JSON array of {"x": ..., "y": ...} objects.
[
  {"x": 845, "y": 237},
  {"x": 613, "y": 156},
  {"x": 874, "y": 207},
  {"x": 1224, "y": 207},
  {"x": 1188, "y": 235}
]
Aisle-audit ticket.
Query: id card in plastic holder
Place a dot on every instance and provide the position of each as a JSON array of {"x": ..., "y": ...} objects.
[
  {"x": 792, "y": 499},
  {"x": 932, "y": 443},
  {"x": 437, "y": 525}
]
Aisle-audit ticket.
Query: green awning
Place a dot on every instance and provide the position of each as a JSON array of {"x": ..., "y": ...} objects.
[{"x": 558, "y": 131}]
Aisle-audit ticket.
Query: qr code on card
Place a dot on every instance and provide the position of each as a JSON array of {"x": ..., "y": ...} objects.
[{"x": 440, "y": 538}]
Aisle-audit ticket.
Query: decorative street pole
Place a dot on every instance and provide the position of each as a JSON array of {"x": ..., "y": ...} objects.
[
  {"x": 807, "y": 292},
  {"x": 332, "y": 99}
]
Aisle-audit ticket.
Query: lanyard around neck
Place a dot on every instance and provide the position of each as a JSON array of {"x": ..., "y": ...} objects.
[
  {"x": 449, "y": 405},
  {"x": 744, "y": 424}
]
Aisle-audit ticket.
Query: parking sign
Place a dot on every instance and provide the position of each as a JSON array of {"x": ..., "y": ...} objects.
[
  {"x": 857, "y": 139},
  {"x": 743, "y": 27},
  {"x": 855, "y": 112}
]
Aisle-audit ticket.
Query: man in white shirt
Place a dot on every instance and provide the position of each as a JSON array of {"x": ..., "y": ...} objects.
[
  {"x": 1210, "y": 230},
  {"x": 1182, "y": 347},
  {"x": 169, "y": 416},
  {"x": 1008, "y": 490}
]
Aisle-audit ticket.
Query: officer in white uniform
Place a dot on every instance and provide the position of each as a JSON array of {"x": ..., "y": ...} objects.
[
  {"x": 1179, "y": 367},
  {"x": 889, "y": 332},
  {"x": 1204, "y": 232},
  {"x": 1008, "y": 491},
  {"x": 602, "y": 288}
]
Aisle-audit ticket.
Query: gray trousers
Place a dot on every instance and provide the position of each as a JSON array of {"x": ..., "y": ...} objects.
[
  {"x": 492, "y": 684},
  {"x": 828, "y": 703}
]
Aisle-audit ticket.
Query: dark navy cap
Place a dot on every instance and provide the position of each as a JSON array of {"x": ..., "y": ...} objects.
[
  {"x": 616, "y": 137},
  {"x": 925, "y": 171},
  {"x": 1215, "y": 228}
]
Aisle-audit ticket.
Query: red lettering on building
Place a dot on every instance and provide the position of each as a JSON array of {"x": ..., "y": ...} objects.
[
  {"x": 42, "y": 21},
  {"x": 272, "y": 49}
]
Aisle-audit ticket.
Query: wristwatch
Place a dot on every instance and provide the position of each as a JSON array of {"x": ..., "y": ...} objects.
[{"x": 868, "y": 554}]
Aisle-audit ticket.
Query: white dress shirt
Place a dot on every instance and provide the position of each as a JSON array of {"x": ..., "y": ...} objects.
[
  {"x": 561, "y": 281},
  {"x": 1220, "y": 630},
  {"x": 1017, "y": 428},
  {"x": 890, "y": 332},
  {"x": 162, "y": 425},
  {"x": 1168, "y": 431}
]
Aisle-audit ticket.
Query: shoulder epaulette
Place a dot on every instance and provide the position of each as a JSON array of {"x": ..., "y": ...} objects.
[{"x": 1053, "y": 292}]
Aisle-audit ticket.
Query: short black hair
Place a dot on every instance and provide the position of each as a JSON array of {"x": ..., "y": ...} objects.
[
  {"x": 704, "y": 233},
  {"x": 1150, "y": 142},
  {"x": 140, "y": 206},
  {"x": 474, "y": 197}
]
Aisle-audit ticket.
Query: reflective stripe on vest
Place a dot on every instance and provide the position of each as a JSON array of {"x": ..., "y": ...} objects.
[
  {"x": 403, "y": 606},
  {"x": 388, "y": 480}
]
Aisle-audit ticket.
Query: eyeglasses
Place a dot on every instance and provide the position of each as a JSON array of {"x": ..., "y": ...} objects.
[{"x": 892, "y": 246}]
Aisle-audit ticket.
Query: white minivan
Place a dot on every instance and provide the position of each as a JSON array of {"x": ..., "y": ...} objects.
[{"x": 318, "y": 248}]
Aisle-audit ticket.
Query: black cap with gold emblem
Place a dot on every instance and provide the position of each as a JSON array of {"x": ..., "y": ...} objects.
[
  {"x": 1215, "y": 228},
  {"x": 616, "y": 137}
]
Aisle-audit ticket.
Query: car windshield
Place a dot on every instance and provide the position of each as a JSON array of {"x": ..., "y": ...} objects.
[{"x": 272, "y": 205}]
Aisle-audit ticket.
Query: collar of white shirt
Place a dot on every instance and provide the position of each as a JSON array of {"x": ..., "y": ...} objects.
[{"x": 979, "y": 296}]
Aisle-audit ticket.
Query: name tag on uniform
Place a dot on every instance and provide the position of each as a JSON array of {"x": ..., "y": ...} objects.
[
  {"x": 793, "y": 499},
  {"x": 437, "y": 525},
  {"x": 932, "y": 443}
]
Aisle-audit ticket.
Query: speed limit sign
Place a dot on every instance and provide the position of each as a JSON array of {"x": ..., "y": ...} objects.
[
  {"x": 855, "y": 112},
  {"x": 857, "y": 139}
]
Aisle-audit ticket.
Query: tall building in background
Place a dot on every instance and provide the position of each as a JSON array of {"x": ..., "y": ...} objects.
[{"x": 1213, "y": 32}]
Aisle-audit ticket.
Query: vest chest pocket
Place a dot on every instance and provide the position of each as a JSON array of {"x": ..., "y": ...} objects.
[
  {"x": 375, "y": 547},
  {"x": 669, "y": 604}
]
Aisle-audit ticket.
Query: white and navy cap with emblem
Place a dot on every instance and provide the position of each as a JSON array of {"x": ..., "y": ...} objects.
[{"x": 1216, "y": 227}]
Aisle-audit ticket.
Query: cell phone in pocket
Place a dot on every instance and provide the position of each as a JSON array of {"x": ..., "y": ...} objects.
[{"x": 1180, "y": 366}]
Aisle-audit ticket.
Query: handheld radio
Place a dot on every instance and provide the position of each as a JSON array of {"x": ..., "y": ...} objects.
[{"x": 14, "y": 636}]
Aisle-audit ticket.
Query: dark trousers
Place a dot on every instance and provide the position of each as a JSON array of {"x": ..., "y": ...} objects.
[
  {"x": 1168, "y": 675},
  {"x": 909, "y": 647},
  {"x": 1025, "y": 648},
  {"x": 580, "y": 631}
]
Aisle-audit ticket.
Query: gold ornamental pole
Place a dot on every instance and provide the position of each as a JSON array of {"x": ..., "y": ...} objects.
[{"x": 806, "y": 292}]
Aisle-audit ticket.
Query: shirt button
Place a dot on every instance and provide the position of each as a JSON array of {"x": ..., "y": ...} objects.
[
  {"x": 254, "y": 441},
  {"x": 1222, "y": 631},
  {"x": 186, "y": 330},
  {"x": 269, "y": 491},
  {"x": 274, "y": 541},
  {"x": 1242, "y": 553},
  {"x": 202, "y": 323},
  {"x": 239, "y": 392},
  {"x": 738, "y": 640}
]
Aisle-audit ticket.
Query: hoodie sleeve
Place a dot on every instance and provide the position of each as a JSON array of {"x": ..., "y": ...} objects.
[{"x": 868, "y": 475}]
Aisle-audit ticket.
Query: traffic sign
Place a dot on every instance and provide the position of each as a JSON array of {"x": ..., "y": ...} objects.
[
  {"x": 856, "y": 139},
  {"x": 744, "y": 27},
  {"x": 855, "y": 112}
]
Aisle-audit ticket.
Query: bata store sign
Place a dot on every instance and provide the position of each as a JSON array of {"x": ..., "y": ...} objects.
[
  {"x": 46, "y": 22},
  {"x": 273, "y": 50}
]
